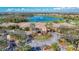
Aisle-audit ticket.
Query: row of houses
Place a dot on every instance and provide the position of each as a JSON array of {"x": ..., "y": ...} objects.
[
  {"x": 26, "y": 24},
  {"x": 39, "y": 25}
]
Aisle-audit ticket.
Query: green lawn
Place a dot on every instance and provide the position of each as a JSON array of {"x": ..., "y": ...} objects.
[{"x": 43, "y": 37}]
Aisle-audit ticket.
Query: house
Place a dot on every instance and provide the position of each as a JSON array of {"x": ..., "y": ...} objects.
[
  {"x": 58, "y": 26},
  {"x": 23, "y": 24},
  {"x": 8, "y": 24},
  {"x": 41, "y": 26},
  {"x": 64, "y": 25}
]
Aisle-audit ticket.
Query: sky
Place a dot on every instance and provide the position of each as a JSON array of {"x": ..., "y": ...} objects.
[{"x": 62, "y": 5}]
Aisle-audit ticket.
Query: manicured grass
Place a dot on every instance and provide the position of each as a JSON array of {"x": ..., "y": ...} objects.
[{"x": 43, "y": 37}]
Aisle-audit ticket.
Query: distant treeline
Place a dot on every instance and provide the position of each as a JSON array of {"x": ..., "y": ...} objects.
[{"x": 13, "y": 19}]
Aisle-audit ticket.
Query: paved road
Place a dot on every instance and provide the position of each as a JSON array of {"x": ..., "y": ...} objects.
[{"x": 55, "y": 37}]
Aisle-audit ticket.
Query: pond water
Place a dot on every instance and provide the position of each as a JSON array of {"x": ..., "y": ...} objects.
[{"x": 43, "y": 19}]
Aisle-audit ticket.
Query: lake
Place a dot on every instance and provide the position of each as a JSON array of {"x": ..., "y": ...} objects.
[{"x": 43, "y": 19}]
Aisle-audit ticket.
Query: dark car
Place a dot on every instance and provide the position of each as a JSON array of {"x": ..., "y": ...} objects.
[{"x": 36, "y": 48}]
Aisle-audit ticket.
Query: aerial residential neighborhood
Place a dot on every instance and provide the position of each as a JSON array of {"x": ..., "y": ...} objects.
[{"x": 39, "y": 31}]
